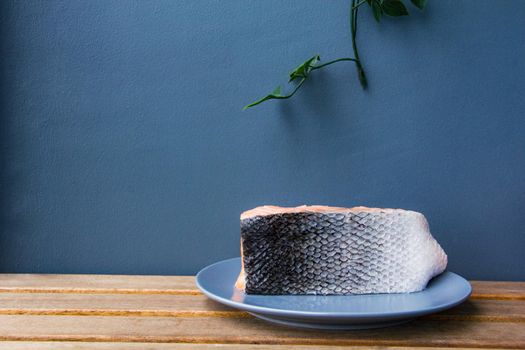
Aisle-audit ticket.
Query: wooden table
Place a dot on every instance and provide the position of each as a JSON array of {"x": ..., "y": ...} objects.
[{"x": 160, "y": 312}]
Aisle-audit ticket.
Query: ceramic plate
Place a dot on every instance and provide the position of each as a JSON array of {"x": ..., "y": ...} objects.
[{"x": 332, "y": 312}]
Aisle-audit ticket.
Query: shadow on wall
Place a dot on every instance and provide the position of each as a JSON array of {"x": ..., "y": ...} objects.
[
  {"x": 14, "y": 133},
  {"x": 317, "y": 110},
  {"x": 7, "y": 178}
]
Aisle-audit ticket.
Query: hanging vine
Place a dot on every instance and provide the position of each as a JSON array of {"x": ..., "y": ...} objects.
[{"x": 299, "y": 75}]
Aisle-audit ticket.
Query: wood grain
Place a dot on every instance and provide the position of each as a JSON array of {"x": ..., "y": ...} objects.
[
  {"x": 100, "y": 284},
  {"x": 253, "y": 331},
  {"x": 158, "y": 305},
  {"x": 113, "y": 305},
  {"x": 498, "y": 290},
  {"x": 177, "y": 285},
  {"x": 23, "y": 345},
  {"x": 484, "y": 311},
  {"x": 168, "y": 312}
]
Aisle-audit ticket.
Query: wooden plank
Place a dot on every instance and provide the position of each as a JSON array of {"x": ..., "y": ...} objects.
[
  {"x": 113, "y": 305},
  {"x": 123, "y": 284},
  {"x": 105, "y": 284},
  {"x": 252, "y": 331},
  {"x": 498, "y": 290},
  {"x": 177, "y": 312},
  {"x": 159, "y": 305},
  {"x": 51, "y": 345},
  {"x": 484, "y": 310}
]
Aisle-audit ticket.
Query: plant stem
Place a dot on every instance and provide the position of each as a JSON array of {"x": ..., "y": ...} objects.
[
  {"x": 353, "y": 26},
  {"x": 304, "y": 69},
  {"x": 297, "y": 87},
  {"x": 334, "y": 61},
  {"x": 358, "y": 4},
  {"x": 277, "y": 97}
]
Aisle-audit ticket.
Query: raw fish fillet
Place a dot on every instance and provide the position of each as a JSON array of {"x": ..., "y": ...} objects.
[{"x": 336, "y": 251}]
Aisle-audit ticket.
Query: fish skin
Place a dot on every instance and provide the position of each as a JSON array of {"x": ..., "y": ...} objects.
[{"x": 356, "y": 251}]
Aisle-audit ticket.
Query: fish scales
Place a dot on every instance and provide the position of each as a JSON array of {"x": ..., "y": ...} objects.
[{"x": 337, "y": 251}]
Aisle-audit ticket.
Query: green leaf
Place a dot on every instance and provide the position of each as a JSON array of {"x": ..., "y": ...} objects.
[
  {"x": 377, "y": 10},
  {"x": 419, "y": 3},
  {"x": 276, "y": 94},
  {"x": 302, "y": 72},
  {"x": 394, "y": 8},
  {"x": 304, "y": 68}
]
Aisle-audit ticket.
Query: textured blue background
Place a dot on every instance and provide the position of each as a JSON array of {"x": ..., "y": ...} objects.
[{"x": 124, "y": 148}]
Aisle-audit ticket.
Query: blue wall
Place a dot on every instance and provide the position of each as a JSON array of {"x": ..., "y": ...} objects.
[{"x": 124, "y": 148}]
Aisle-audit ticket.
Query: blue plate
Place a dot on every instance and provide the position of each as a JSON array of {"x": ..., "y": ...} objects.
[{"x": 333, "y": 311}]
